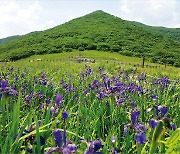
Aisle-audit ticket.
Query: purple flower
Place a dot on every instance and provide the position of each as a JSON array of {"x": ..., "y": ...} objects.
[
  {"x": 48, "y": 101},
  {"x": 7, "y": 90},
  {"x": 58, "y": 99},
  {"x": 64, "y": 115},
  {"x": 100, "y": 95},
  {"x": 160, "y": 115},
  {"x": 133, "y": 105},
  {"x": 134, "y": 116},
  {"x": 137, "y": 126},
  {"x": 140, "y": 138},
  {"x": 93, "y": 147},
  {"x": 58, "y": 137},
  {"x": 52, "y": 110},
  {"x": 113, "y": 139},
  {"x": 173, "y": 126},
  {"x": 161, "y": 109},
  {"x": 97, "y": 145},
  {"x": 153, "y": 97},
  {"x": 3, "y": 84},
  {"x": 67, "y": 148},
  {"x": 42, "y": 141},
  {"x": 29, "y": 150},
  {"x": 153, "y": 123}
]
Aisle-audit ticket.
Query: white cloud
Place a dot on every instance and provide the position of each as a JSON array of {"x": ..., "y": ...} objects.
[
  {"x": 19, "y": 18},
  {"x": 152, "y": 12}
]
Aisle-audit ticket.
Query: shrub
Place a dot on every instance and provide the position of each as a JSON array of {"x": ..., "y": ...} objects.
[{"x": 81, "y": 48}]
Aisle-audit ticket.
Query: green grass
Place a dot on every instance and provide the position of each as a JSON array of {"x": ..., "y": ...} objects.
[{"x": 101, "y": 59}]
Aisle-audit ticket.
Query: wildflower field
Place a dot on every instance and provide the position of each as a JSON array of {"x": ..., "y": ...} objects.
[{"x": 54, "y": 105}]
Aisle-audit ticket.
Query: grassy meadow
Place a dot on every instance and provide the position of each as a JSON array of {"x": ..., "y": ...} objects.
[{"x": 88, "y": 102}]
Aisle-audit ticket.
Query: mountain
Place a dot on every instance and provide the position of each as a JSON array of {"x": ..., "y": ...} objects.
[
  {"x": 96, "y": 31},
  {"x": 171, "y": 33},
  {"x": 8, "y": 39}
]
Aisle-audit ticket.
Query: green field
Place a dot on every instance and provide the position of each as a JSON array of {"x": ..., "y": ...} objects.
[
  {"x": 116, "y": 61},
  {"x": 102, "y": 102}
]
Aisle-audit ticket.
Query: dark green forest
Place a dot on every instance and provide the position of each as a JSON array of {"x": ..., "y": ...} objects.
[{"x": 99, "y": 31}]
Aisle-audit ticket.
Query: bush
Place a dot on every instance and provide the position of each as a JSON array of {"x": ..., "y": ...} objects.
[
  {"x": 91, "y": 47},
  {"x": 67, "y": 49},
  {"x": 103, "y": 47},
  {"x": 115, "y": 48},
  {"x": 176, "y": 64},
  {"x": 81, "y": 48},
  {"x": 126, "y": 53}
]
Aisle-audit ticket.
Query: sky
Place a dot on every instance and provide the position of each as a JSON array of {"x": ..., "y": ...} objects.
[{"x": 18, "y": 17}]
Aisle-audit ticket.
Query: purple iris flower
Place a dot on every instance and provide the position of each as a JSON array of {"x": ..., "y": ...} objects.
[
  {"x": 173, "y": 126},
  {"x": 140, "y": 138},
  {"x": 137, "y": 126},
  {"x": 68, "y": 88},
  {"x": 160, "y": 115},
  {"x": 52, "y": 110},
  {"x": 57, "y": 137},
  {"x": 64, "y": 115},
  {"x": 48, "y": 101},
  {"x": 161, "y": 109},
  {"x": 153, "y": 97},
  {"x": 58, "y": 99},
  {"x": 42, "y": 141},
  {"x": 153, "y": 123},
  {"x": 133, "y": 105},
  {"x": 107, "y": 84},
  {"x": 3, "y": 84},
  {"x": 93, "y": 147},
  {"x": 67, "y": 148},
  {"x": 141, "y": 77},
  {"x": 134, "y": 116},
  {"x": 0, "y": 95},
  {"x": 100, "y": 95},
  {"x": 13, "y": 92},
  {"x": 119, "y": 102},
  {"x": 5, "y": 89},
  {"x": 29, "y": 150},
  {"x": 113, "y": 139}
]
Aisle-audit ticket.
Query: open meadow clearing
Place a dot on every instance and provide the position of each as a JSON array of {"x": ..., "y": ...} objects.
[{"x": 88, "y": 102}]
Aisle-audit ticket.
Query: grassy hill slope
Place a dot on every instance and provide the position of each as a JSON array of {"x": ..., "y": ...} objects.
[
  {"x": 8, "y": 39},
  {"x": 95, "y": 31}
]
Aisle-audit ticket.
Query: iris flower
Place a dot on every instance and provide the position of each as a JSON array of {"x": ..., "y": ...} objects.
[
  {"x": 160, "y": 115},
  {"x": 93, "y": 147},
  {"x": 64, "y": 115},
  {"x": 4, "y": 88},
  {"x": 139, "y": 127},
  {"x": 59, "y": 138}
]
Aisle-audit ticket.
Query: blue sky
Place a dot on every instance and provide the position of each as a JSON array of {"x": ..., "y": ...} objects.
[{"x": 18, "y": 17}]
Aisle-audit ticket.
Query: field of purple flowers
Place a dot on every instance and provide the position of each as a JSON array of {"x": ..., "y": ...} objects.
[{"x": 87, "y": 110}]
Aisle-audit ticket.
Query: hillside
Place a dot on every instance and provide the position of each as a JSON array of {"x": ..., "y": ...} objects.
[
  {"x": 8, "y": 39},
  {"x": 172, "y": 33},
  {"x": 96, "y": 31}
]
